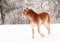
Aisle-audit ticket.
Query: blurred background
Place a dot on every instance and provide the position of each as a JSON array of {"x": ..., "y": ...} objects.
[{"x": 11, "y": 10}]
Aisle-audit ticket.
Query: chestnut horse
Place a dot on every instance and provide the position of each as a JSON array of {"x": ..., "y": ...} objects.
[{"x": 40, "y": 18}]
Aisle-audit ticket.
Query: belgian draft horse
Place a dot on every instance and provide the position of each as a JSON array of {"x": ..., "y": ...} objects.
[{"x": 38, "y": 19}]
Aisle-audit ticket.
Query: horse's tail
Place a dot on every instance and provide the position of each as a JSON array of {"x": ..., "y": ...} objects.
[{"x": 49, "y": 19}]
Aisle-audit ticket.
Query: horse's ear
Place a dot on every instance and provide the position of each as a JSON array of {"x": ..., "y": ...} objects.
[{"x": 26, "y": 7}]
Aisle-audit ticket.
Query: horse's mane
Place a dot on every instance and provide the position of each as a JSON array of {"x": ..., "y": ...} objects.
[{"x": 33, "y": 12}]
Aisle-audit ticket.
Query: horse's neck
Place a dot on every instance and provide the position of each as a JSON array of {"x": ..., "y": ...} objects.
[{"x": 32, "y": 16}]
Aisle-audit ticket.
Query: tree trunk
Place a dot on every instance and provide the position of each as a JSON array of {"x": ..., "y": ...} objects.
[{"x": 2, "y": 15}]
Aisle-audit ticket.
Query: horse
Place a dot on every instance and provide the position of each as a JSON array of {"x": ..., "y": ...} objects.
[{"x": 38, "y": 19}]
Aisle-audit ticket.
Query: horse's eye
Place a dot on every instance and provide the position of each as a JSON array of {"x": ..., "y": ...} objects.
[{"x": 26, "y": 14}]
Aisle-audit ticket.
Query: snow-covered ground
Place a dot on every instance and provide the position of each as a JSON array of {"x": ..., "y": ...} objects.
[{"x": 23, "y": 33}]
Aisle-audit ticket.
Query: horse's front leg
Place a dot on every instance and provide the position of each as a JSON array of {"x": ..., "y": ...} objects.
[
  {"x": 33, "y": 33},
  {"x": 32, "y": 30},
  {"x": 38, "y": 27}
]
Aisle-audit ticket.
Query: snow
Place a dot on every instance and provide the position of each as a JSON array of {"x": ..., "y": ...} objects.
[{"x": 23, "y": 33}]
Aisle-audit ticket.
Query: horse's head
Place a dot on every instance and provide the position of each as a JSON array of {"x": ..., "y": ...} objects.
[
  {"x": 25, "y": 12},
  {"x": 28, "y": 12}
]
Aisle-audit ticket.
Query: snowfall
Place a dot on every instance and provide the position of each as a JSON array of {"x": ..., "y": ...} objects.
[{"x": 23, "y": 33}]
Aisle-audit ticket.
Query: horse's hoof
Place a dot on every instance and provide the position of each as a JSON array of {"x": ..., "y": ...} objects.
[
  {"x": 32, "y": 37},
  {"x": 49, "y": 33},
  {"x": 42, "y": 35}
]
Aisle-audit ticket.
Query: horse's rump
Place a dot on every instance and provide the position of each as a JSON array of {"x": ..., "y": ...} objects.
[{"x": 44, "y": 16}]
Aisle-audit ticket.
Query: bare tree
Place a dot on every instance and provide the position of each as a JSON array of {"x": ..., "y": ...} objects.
[{"x": 2, "y": 15}]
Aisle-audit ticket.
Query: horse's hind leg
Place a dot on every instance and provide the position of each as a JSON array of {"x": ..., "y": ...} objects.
[
  {"x": 48, "y": 27},
  {"x": 39, "y": 31}
]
